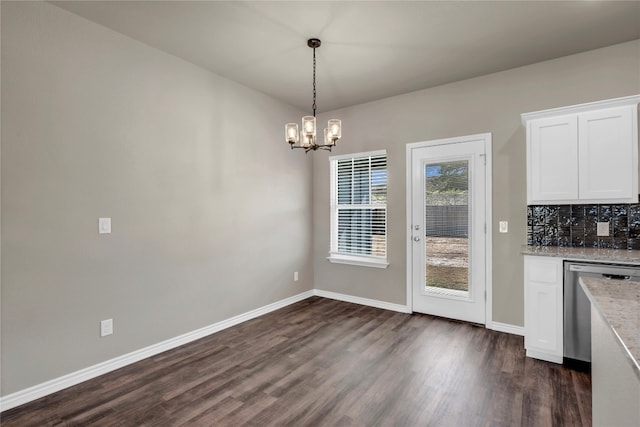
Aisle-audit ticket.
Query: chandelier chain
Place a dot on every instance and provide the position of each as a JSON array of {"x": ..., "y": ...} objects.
[{"x": 314, "y": 82}]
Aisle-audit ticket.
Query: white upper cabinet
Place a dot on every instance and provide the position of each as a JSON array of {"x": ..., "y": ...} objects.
[
  {"x": 608, "y": 155},
  {"x": 583, "y": 154},
  {"x": 553, "y": 155}
]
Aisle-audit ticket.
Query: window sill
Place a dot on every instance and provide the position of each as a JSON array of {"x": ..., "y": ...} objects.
[{"x": 361, "y": 261}]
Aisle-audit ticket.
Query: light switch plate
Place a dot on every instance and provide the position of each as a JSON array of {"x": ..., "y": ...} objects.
[
  {"x": 504, "y": 226},
  {"x": 603, "y": 229},
  {"x": 104, "y": 225}
]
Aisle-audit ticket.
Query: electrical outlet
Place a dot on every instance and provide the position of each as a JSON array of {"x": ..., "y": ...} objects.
[
  {"x": 106, "y": 327},
  {"x": 504, "y": 226},
  {"x": 104, "y": 225},
  {"x": 295, "y": 276},
  {"x": 603, "y": 229}
]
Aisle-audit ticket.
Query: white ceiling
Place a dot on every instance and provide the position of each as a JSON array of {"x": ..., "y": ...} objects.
[{"x": 370, "y": 50}]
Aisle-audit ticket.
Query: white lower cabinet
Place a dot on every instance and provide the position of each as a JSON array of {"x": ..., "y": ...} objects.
[{"x": 543, "y": 308}]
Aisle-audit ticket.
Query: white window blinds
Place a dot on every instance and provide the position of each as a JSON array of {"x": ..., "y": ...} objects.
[{"x": 359, "y": 205}]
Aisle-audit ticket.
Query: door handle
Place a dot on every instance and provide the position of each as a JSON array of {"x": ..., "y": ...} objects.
[{"x": 416, "y": 239}]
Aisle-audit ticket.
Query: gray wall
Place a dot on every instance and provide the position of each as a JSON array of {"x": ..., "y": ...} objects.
[
  {"x": 491, "y": 103},
  {"x": 210, "y": 207}
]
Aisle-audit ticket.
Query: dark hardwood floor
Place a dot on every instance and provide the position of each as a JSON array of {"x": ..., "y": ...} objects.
[{"x": 321, "y": 362}]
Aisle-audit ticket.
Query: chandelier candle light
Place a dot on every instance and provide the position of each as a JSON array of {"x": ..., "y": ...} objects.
[{"x": 309, "y": 142}]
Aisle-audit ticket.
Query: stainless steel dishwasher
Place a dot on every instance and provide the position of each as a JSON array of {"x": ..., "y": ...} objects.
[{"x": 577, "y": 308}]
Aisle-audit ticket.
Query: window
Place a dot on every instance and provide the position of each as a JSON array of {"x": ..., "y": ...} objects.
[{"x": 359, "y": 209}]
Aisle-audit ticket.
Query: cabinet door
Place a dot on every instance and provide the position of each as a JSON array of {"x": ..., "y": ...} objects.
[
  {"x": 543, "y": 308},
  {"x": 608, "y": 155},
  {"x": 552, "y": 160}
]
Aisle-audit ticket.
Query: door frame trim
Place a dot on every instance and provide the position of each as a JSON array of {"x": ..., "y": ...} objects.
[{"x": 487, "y": 139}]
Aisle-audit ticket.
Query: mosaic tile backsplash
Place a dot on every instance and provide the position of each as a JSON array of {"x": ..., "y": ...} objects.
[{"x": 576, "y": 225}]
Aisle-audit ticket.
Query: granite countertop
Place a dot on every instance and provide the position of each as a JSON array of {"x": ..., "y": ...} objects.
[
  {"x": 618, "y": 301},
  {"x": 585, "y": 254}
]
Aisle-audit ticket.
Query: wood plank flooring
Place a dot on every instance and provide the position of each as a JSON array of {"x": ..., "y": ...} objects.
[{"x": 322, "y": 362}]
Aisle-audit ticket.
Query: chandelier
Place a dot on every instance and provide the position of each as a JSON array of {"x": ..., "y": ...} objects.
[{"x": 332, "y": 132}]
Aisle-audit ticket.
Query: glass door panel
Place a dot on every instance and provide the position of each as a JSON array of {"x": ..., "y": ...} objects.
[{"x": 446, "y": 210}]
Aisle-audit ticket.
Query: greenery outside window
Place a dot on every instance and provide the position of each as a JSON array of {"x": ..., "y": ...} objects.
[{"x": 359, "y": 209}]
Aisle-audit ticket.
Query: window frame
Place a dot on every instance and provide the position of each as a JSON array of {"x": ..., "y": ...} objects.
[{"x": 350, "y": 258}]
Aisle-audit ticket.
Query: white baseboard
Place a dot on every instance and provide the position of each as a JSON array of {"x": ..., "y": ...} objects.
[
  {"x": 510, "y": 329},
  {"x": 32, "y": 393},
  {"x": 362, "y": 301}
]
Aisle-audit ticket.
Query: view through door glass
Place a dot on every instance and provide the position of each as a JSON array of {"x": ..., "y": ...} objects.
[{"x": 447, "y": 227}]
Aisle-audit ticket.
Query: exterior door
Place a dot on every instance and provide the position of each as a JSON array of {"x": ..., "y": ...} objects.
[{"x": 449, "y": 200}]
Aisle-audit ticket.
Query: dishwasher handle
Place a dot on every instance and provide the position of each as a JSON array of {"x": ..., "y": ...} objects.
[
  {"x": 616, "y": 276},
  {"x": 612, "y": 270}
]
